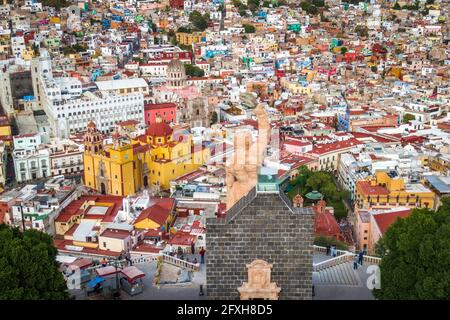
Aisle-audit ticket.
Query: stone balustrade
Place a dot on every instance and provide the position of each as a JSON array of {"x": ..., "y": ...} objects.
[
  {"x": 332, "y": 262},
  {"x": 368, "y": 259},
  {"x": 180, "y": 263}
]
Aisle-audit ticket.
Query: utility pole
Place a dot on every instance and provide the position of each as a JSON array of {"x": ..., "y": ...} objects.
[
  {"x": 117, "y": 293},
  {"x": 23, "y": 219}
]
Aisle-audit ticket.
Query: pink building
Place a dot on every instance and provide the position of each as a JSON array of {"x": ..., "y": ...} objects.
[{"x": 168, "y": 112}]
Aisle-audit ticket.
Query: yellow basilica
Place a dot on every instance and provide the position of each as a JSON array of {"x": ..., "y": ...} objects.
[{"x": 150, "y": 160}]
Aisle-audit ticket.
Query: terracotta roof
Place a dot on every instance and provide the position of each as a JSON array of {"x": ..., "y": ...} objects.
[
  {"x": 384, "y": 220},
  {"x": 367, "y": 189},
  {"x": 325, "y": 224},
  {"x": 158, "y": 212},
  {"x": 159, "y": 129},
  {"x": 331, "y": 147},
  {"x": 157, "y": 106},
  {"x": 116, "y": 234},
  {"x": 182, "y": 239}
]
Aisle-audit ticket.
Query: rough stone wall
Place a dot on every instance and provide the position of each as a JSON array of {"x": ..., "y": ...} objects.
[{"x": 266, "y": 229}]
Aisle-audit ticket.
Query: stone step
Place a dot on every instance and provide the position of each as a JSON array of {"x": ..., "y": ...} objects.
[{"x": 341, "y": 274}]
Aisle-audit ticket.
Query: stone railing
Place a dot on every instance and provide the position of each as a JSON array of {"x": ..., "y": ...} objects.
[
  {"x": 144, "y": 259},
  {"x": 368, "y": 259},
  {"x": 180, "y": 263},
  {"x": 372, "y": 259},
  {"x": 332, "y": 262},
  {"x": 150, "y": 258}
]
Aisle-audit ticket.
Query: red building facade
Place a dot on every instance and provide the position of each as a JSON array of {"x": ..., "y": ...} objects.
[{"x": 168, "y": 112}]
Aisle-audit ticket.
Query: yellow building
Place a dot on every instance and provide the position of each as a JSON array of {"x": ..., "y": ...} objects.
[
  {"x": 188, "y": 39},
  {"x": 5, "y": 41},
  {"x": 387, "y": 190},
  {"x": 151, "y": 160},
  {"x": 160, "y": 214},
  {"x": 28, "y": 54},
  {"x": 295, "y": 87},
  {"x": 5, "y": 131},
  {"x": 438, "y": 162}
]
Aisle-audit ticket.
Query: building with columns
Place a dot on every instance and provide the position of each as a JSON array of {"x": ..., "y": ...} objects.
[{"x": 151, "y": 160}]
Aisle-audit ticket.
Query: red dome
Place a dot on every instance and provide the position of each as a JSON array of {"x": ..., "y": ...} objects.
[
  {"x": 159, "y": 129},
  {"x": 325, "y": 224}
]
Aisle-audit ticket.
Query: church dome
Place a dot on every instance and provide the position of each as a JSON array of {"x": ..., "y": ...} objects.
[
  {"x": 176, "y": 73},
  {"x": 159, "y": 129},
  {"x": 175, "y": 65}
]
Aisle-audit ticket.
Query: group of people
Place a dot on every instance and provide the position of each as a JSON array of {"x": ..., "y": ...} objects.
[
  {"x": 180, "y": 253},
  {"x": 332, "y": 250},
  {"x": 358, "y": 259}
]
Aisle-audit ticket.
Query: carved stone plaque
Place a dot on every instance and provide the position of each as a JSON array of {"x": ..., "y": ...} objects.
[{"x": 259, "y": 285}]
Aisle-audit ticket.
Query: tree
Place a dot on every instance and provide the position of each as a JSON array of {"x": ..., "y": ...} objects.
[
  {"x": 194, "y": 71},
  {"x": 28, "y": 267},
  {"x": 344, "y": 50},
  {"x": 200, "y": 22},
  {"x": 214, "y": 117},
  {"x": 74, "y": 49},
  {"x": 184, "y": 30},
  {"x": 323, "y": 182},
  {"x": 408, "y": 117},
  {"x": 396, "y": 6},
  {"x": 58, "y": 4},
  {"x": 362, "y": 30},
  {"x": 322, "y": 241},
  {"x": 249, "y": 28},
  {"x": 374, "y": 68},
  {"x": 318, "y": 3},
  {"x": 416, "y": 256},
  {"x": 253, "y": 5},
  {"x": 309, "y": 8}
]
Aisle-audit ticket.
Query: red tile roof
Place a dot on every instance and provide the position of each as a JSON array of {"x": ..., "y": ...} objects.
[
  {"x": 159, "y": 129},
  {"x": 367, "y": 189},
  {"x": 158, "y": 212},
  {"x": 115, "y": 234},
  {"x": 384, "y": 220},
  {"x": 74, "y": 208},
  {"x": 157, "y": 106},
  {"x": 182, "y": 239},
  {"x": 332, "y": 147}
]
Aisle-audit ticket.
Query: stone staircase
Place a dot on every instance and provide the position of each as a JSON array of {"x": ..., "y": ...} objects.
[
  {"x": 339, "y": 270},
  {"x": 341, "y": 274}
]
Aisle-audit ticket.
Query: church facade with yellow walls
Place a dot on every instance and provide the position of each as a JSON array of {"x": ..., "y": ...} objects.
[{"x": 150, "y": 160}]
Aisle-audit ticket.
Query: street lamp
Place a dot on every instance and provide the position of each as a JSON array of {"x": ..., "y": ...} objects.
[{"x": 117, "y": 293}]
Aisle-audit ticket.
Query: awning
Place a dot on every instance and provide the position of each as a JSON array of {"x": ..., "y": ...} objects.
[{"x": 95, "y": 281}]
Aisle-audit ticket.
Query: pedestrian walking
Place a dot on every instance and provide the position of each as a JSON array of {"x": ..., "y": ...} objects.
[
  {"x": 360, "y": 257},
  {"x": 202, "y": 255},
  {"x": 328, "y": 250},
  {"x": 193, "y": 248},
  {"x": 355, "y": 262},
  {"x": 334, "y": 251}
]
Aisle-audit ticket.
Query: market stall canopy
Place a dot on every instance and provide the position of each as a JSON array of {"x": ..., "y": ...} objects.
[
  {"x": 95, "y": 281},
  {"x": 106, "y": 271},
  {"x": 132, "y": 273}
]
